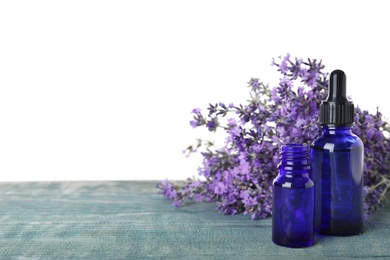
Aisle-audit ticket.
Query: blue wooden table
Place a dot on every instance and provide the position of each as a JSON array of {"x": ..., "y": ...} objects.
[{"x": 127, "y": 220}]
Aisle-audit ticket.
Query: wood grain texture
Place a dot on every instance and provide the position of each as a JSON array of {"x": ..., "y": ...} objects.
[{"x": 128, "y": 220}]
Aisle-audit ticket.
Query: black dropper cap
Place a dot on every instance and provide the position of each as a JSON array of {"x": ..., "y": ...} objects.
[{"x": 337, "y": 110}]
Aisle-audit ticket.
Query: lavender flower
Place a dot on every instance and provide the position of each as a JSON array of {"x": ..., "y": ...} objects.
[{"x": 238, "y": 176}]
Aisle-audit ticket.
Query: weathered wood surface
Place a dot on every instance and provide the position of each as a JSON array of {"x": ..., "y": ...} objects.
[{"x": 127, "y": 220}]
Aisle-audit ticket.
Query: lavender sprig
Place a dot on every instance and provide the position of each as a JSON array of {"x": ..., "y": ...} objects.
[{"x": 238, "y": 175}]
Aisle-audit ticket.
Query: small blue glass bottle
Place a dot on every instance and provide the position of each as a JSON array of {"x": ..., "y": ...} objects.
[
  {"x": 293, "y": 199},
  {"x": 337, "y": 165}
]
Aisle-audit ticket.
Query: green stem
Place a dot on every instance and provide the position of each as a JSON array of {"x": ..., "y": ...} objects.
[{"x": 383, "y": 181}]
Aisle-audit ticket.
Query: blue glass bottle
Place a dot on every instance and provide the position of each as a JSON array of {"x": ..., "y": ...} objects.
[
  {"x": 337, "y": 165},
  {"x": 293, "y": 199}
]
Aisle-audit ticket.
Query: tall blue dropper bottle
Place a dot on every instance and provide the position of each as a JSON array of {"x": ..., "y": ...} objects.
[{"x": 337, "y": 165}]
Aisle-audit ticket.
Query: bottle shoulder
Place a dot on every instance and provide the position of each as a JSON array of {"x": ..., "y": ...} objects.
[{"x": 338, "y": 141}]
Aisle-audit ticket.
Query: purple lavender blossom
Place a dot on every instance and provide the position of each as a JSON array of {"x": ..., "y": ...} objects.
[
  {"x": 212, "y": 124},
  {"x": 176, "y": 203},
  {"x": 194, "y": 123},
  {"x": 232, "y": 122},
  {"x": 196, "y": 111},
  {"x": 198, "y": 198},
  {"x": 219, "y": 188},
  {"x": 284, "y": 64}
]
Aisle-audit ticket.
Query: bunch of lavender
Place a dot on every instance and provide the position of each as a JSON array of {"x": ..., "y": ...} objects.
[{"x": 238, "y": 176}]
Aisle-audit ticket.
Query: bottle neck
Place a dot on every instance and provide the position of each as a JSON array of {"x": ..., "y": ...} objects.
[
  {"x": 294, "y": 159},
  {"x": 332, "y": 130}
]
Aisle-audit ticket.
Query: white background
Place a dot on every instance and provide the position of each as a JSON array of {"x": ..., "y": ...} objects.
[{"x": 103, "y": 90}]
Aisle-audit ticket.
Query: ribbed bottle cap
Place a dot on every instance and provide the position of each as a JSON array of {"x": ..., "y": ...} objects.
[{"x": 337, "y": 110}]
